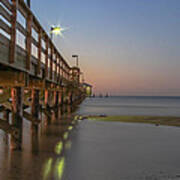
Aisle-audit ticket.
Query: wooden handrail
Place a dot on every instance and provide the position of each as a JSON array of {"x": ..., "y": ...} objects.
[{"x": 58, "y": 65}]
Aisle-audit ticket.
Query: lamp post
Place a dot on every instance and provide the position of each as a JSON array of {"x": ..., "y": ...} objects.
[{"x": 77, "y": 59}]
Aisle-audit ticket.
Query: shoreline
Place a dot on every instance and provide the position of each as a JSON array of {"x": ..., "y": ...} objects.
[{"x": 156, "y": 120}]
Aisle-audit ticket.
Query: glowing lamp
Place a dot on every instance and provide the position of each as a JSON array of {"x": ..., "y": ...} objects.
[{"x": 56, "y": 30}]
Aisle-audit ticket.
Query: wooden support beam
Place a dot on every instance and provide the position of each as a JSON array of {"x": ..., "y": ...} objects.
[
  {"x": 63, "y": 95},
  {"x": 59, "y": 72},
  {"x": 30, "y": 118},
  {"x": 60, "y": 98},
  {"x": 17, "y": 116},
  {"x": 7, "y": 4},
  {"x": 13, "y": 32},
  {"x": 51, "y": 62},
  {"x": 6, "y": 118},
  {"x": 7, "y": 128},
  {"x": 35, "y": 109},
  {"x": 56, "y": 97},
  {"x": 28, "y": 40},
  {"x": 36, "y": 83},
  {"x": 56, "y": 65},
  {"x": 70, "y": 98},
  {"x": 35, "y": 103},
  {"x": 46, "y": 98},
  {"x": 47, "y": 57},
  {"x": 39, "y": 51},
  {"x": 12, "y": 78}
]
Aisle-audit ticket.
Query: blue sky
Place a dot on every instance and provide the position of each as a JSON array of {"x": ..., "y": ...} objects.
[{"x": 126, "y": 47}]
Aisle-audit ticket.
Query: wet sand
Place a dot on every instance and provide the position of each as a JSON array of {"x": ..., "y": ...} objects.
[{"x": 156, "y": 120}]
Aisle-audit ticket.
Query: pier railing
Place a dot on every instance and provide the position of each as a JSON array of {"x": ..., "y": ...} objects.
[{"x": 25, "y": 45}]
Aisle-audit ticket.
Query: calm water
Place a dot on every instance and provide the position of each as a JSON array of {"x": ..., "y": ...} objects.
[
  {"x": 155, "y": 106},
  {"x": 94, "y": 150}
]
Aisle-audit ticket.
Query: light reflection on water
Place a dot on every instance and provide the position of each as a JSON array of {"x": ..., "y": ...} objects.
[
  {"x": 59, "y": 150},
  {"x": 43, "y": 148}
]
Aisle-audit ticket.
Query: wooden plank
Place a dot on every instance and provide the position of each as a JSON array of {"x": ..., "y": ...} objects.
[
  {"x": 36, "y": 83},
  {"x": 5, "y": 14},
  {"x": 35, "y": 107},
  {"x": 51, "y": 62},
  {"x": 46, "y": 58},
  {"x": 13, "y": 32},
  {"x": 23, "y": 9},
  {"x": 11, "y": 79},
  {"x": 39, "y": 50},
  {"x": 56, "y": 66},
  {"x": 21, "y": 29},
  {"x": 33, "y": 41},
  {"x": 6, "y": 4},
  {"x": 17, "y": 116},
  {"x": 5, "y": 27},
  {"x": 28, "y": 41},
  {"x": 4, "y": 40}
]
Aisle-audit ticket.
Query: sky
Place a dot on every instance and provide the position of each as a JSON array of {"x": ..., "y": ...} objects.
[{"x": 125, "y": 47}]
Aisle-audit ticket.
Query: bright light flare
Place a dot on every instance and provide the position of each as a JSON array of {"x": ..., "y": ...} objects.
[{"x": 57, "y": 30}]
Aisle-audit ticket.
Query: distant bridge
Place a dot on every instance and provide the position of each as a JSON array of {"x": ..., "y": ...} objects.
[{"x": 32, "y": 73}]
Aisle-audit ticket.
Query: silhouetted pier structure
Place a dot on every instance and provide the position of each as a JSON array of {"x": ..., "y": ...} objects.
[{"x": 32, "y": 73}]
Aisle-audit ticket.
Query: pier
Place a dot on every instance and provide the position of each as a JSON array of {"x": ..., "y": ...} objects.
[{"x": 33, "y": 74}]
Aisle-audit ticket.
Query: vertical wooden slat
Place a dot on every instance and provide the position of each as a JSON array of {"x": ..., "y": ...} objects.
[
  {"x": 47, "y": 57},
  {"x": 12, "y": 52},
  {"x": 68, "y": 73},
  {"x": 59, "y": 67},
  {"x": 35, "y": 107},
  {"x": 60, "y": 98},
  {"x": 62, "y": 69},
  {"x": 17, "y": 117},
  {"x": 56, "y": 63},
  {"x": 51, "y": 62},
  {"x": 39, "y": 50},
  {"x": 28, "y": 40},
  {"x": 55, "y": 97},
  {"x": 46, "y": 98}
]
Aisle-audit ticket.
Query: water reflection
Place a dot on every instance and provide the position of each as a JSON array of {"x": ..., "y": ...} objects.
[
  {"x": 35, "y": 142},
  {"x": 59, "y": 147},
  {"x": 59, "y": 168},
  {"x": 43, "y": 147},
  {"x": 47, "y": 168},
  {"x": 54, "y": 166}
]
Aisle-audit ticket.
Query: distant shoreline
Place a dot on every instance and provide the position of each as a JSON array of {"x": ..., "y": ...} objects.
[
  {"x": 136, "y": 96},
  {"x": 156, "y": 120}
]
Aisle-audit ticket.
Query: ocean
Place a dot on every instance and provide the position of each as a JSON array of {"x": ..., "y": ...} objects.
[
  {"x": 132, "y": 105},
  {"x": 97, "y": 150}
]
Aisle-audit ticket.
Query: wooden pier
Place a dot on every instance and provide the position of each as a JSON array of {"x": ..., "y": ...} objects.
[{"x": 32, "y": 72}]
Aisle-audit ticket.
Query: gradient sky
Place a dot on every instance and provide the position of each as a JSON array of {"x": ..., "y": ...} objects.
[{"x": 126, "y": 47}]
